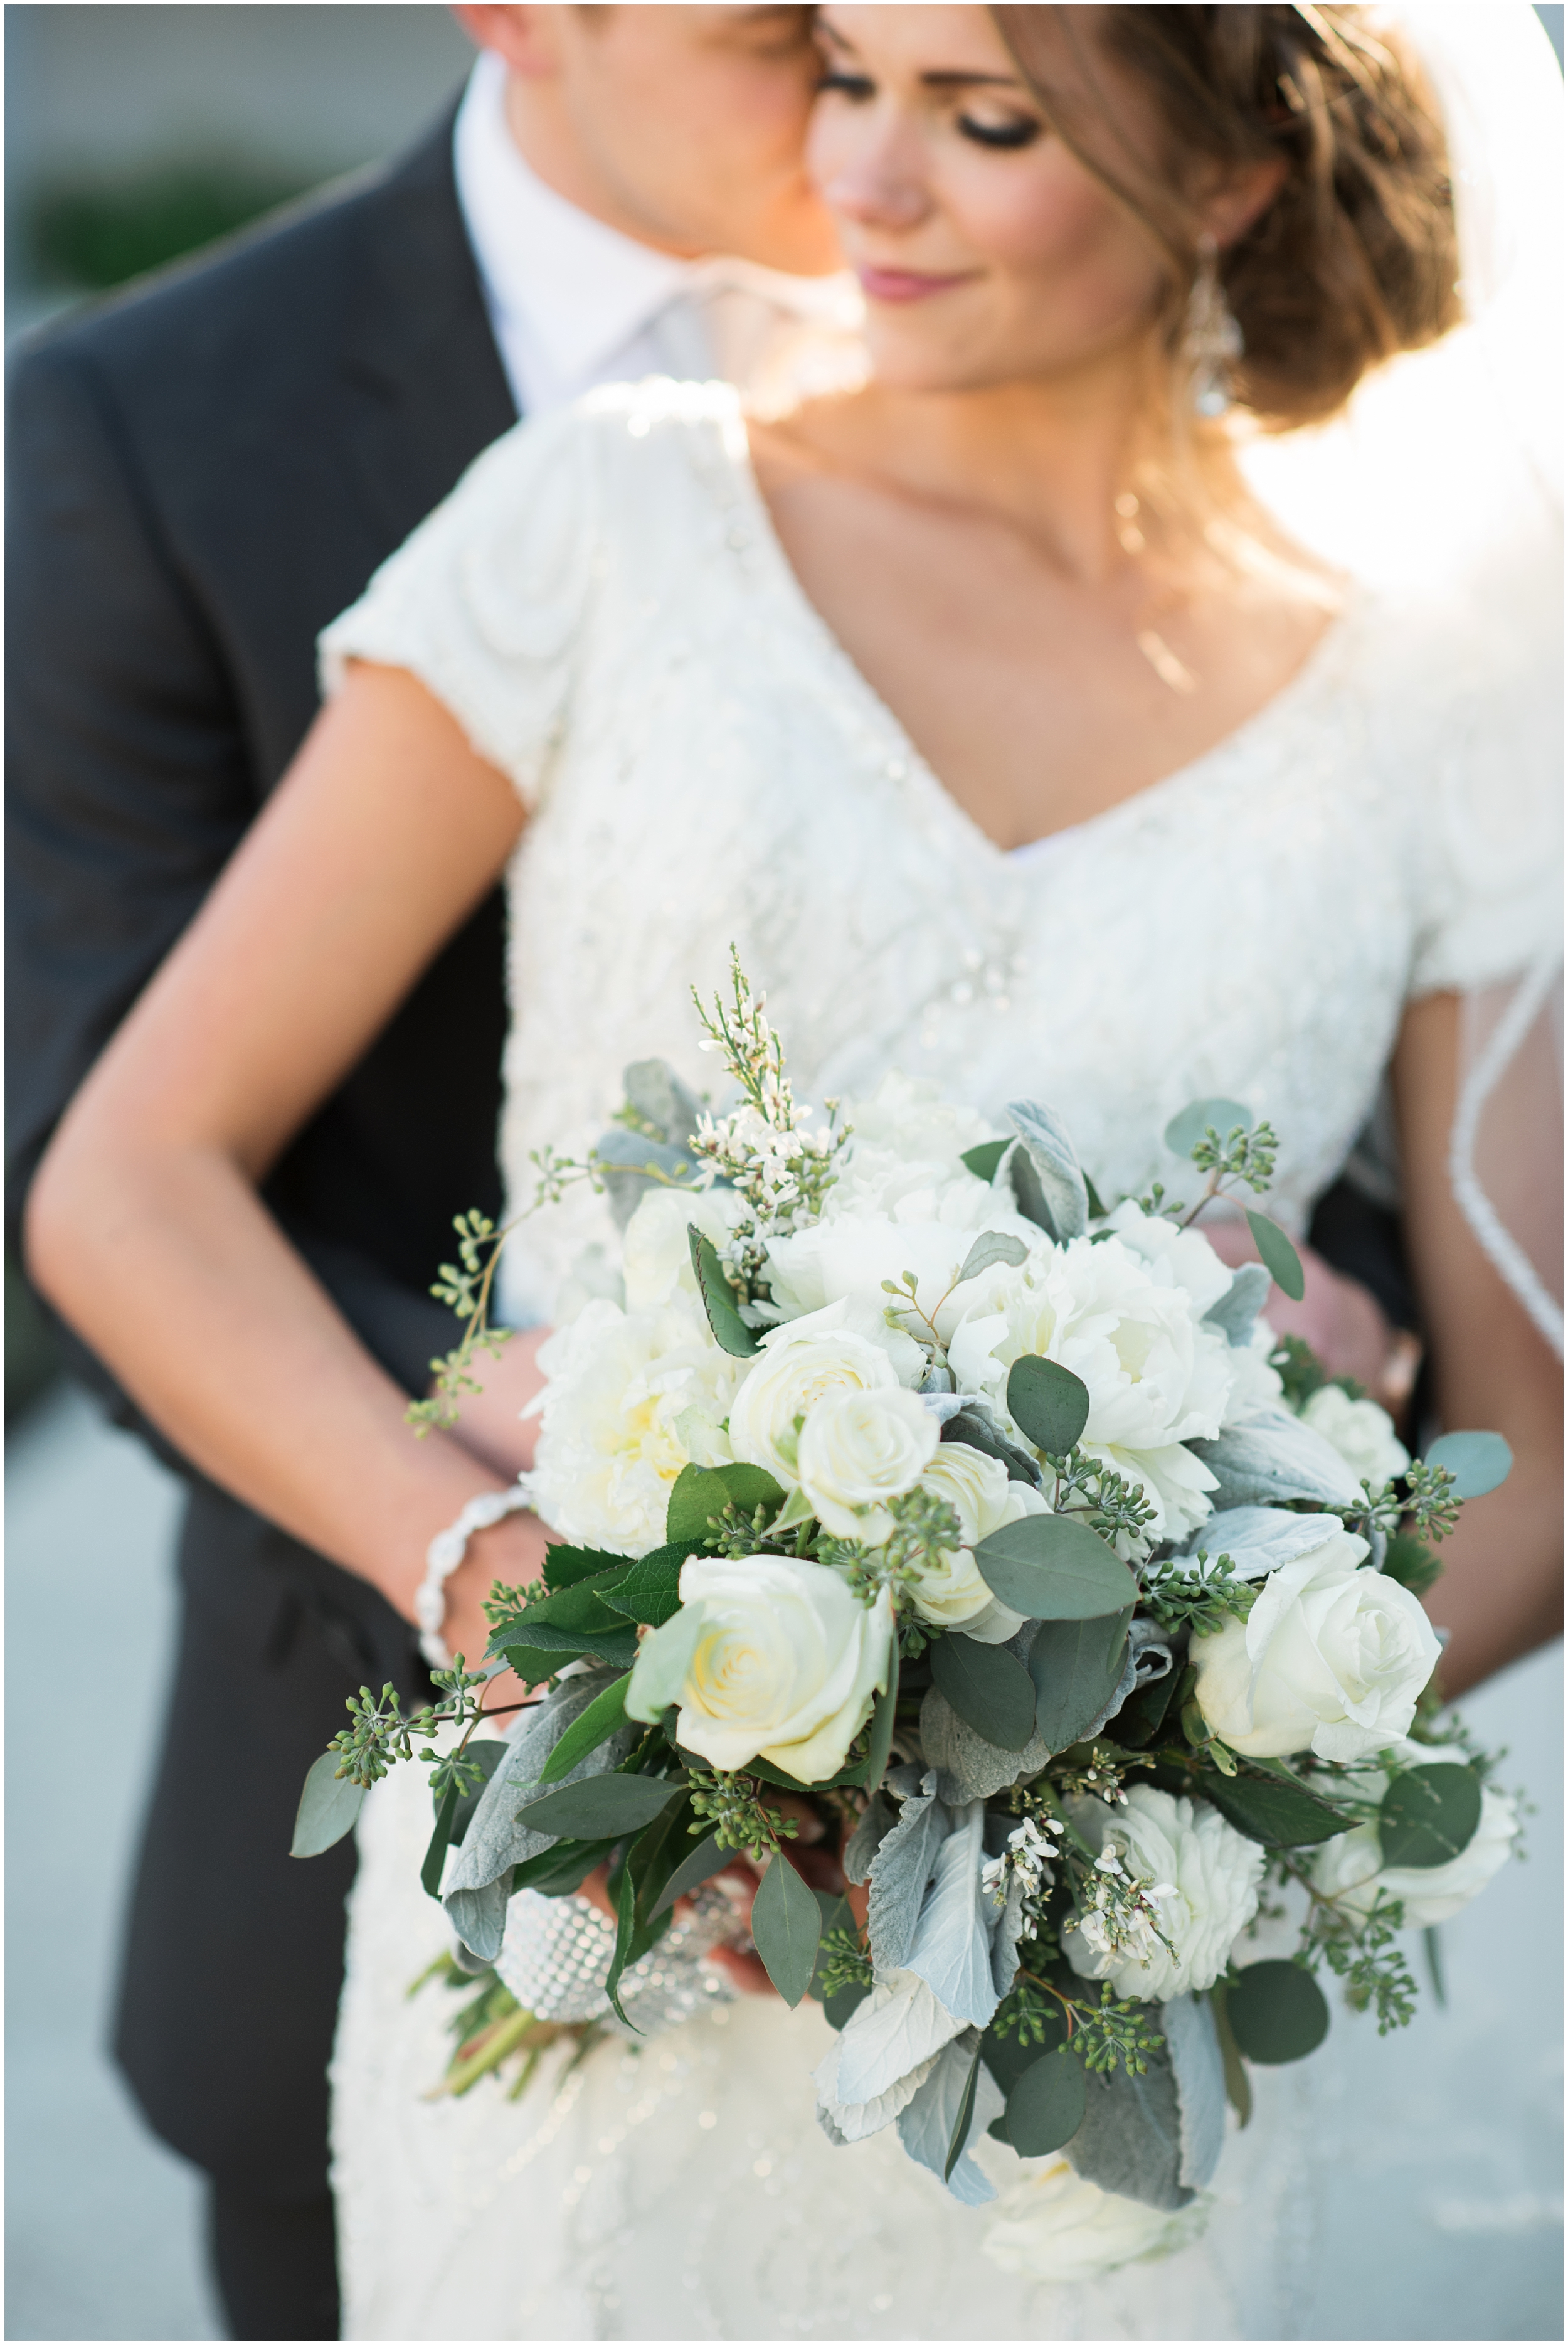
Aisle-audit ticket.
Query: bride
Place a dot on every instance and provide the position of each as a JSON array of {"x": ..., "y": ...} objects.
[{"x": 1016, "y": 747}]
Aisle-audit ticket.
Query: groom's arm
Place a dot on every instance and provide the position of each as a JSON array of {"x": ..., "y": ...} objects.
[{"x": 130, "y": 783}]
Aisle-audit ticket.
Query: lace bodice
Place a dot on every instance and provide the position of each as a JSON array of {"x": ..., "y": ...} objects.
[{"x": 605, "y": 607}]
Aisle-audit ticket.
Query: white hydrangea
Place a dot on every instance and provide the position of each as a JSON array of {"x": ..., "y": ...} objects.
[
  {"x": 1349, "y": 1868},
  {"x": 627, "y": 1393},
  {"x": 1200, "y": 1875},
  {"x": 1361, "y": 1432},
  {"x": 1056, "y": 2226},
  {"x": 949, "y": 1591},
  {"x": 1157, "y": 1376}
]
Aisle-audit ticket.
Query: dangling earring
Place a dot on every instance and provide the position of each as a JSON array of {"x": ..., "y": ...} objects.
[{"x": 1211, "y": 341}]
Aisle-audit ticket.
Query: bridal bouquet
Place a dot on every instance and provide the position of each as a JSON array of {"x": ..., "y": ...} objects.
[{"x": 902, "y": 1477}]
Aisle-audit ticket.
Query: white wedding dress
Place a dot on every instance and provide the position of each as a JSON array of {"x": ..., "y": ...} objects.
[{"x": 605, "y": 607}]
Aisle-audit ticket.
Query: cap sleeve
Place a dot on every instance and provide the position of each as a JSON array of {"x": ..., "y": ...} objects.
[
  {"x": 1488, "y": 810},
  {"x": 485, "y": 602}
]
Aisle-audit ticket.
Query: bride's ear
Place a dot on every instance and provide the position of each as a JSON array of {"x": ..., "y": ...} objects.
[{"x": 1229, "y": 201}]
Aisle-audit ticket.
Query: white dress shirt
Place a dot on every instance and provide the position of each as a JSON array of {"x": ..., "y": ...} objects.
[{"x": 573, "y": 303}]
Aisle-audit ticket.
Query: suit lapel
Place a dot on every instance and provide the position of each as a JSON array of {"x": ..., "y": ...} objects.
[{"x": 424, "y": 389}]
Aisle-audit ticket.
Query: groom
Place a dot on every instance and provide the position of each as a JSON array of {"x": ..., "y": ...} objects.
[{"x": 203, "y": 474}]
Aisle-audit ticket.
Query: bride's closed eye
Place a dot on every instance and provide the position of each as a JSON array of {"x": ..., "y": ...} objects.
[{"x": 1010, "y": 130}]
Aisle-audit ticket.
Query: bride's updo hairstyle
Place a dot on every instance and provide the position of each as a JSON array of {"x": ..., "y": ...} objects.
[{"x": 1354, "y": 260}]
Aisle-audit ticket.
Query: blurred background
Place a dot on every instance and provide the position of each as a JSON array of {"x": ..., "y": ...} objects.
[{"x": 134, "y": 136}]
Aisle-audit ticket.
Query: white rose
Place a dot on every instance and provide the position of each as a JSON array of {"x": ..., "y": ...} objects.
[
  {"x": 769, "y": 1658},
  {"x": 625, "y": 1392},
  {"x": 1331, "y": 1659},
  {"x": 798, "y": 1365},
  {"x": 1360, "y": 1431},
  {"x": 656, "y": 1250},
  {"x": 1156, "y": 1375},
  {"x": 948, "y": 1589},
  {"x": 1349, "y": 1868},
  {"x": 858, "y": 1450},
  {"x": 1056, "y": 2226},
  {"x": 1205, "y": 1876}
]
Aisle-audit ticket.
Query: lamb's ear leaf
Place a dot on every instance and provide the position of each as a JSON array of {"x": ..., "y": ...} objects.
[
  {"x": 786, "y": 1927},
  {"x": 730, "y": 1330},
  {"x": 1045, "y": 2107},
  {"x": 1428, "y": 1815},
  {"x": 1478, "y": 1461},
  {"x": 988, "y": 1687},
  {"x": 663, "y": 1099},
  {"x": 1057, "y": 1182},
  {"x": 1129, "y": 2141},
  {"x": 989, "y": 1248},
  {"x": 1281, "y": 1259},
  {"x": 454, "y": 1813},
  {"x": 984, "y": 1159},
  {"x": 328, "y": 1807},
  {"x": 1051, "y": 1567},
  {"x": 1049, "y": 1405},
  {"x": 1276, "y": 2013},
  {"x": 1223, "y": 1116},
  {"x": 588, "y": 1729},
  {"x": 960, "y": 2133}
]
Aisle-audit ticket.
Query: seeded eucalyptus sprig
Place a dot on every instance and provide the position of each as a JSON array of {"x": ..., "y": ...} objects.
[
  {"x": 729, "y": 1807},
  {"x": 1104, "y": 1499},
  {"x": 380, "y": 1735}
]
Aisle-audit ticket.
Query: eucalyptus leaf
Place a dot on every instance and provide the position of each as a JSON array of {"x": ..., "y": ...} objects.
[
  {"x": 1281, "y": 1259},
  {"x": 1045, "y": 2107},
  {"x": 455, "y": 1811},
  {"x": 989, "y": 1248},
  {"x": 1428, "y": 1815},
  {"x": 630, "y": 1165},
  {"x": 328, "y": 1807},
  {"x": 1052, "y": 1568},
  {"x": 1129, "y": 2140},
  {"x": 603, "y": 1716},
  {"x": 1236, "y": 1312},
  {"x": 1276, "y": 2012},
  {"x": 1049, "y": 1405},
  {"x": 1478, "y": 1461},
  {"x": 706, "y": 1859},
  {"x": 1274, "y": 1812},
  {"x": 1060, "y": 1181},
  {"x": 730, "y": 1330},
  {"x": 986, "y": 1687},
  {"x": 1222, "y": 1116},
  {"x": 786, "y": 1927},
  {"x": 1077, "y": 1667},
  {"x": 602, "y": 1807},
  {"x": 984, "y": 1158},
  {"x": 976, "y": 1427}
]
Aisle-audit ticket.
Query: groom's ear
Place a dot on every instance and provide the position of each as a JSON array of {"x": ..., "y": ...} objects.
[{"x": 526, "y": 39}]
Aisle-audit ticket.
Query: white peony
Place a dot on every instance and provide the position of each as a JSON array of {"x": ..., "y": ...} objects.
[
  {"x": 1177, "y": 1257},
  {"x": 1157, "y": 1376},
  {"x": 858, "y": 1255},
  {"x": 1056, "y": 2226},
  {"x": 798, "y": 1365},
  {"x": 1349, "y": 1868},
  {"x": 770, "y": 1657},
  {"x": 856, "y": 1451},
  {"x": 948, "y": 1589},
  {"x": 626, "y": 1392},
  {"x": 656, "y": 1249},
  {"x": 906, "y": 1138},
  {"x": 1361, "y": 1432},
  {"x": 1331, "y": 1658},
  {"x": 1201, "y": 1878}
]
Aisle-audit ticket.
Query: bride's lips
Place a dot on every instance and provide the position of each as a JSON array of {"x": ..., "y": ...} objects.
[{"x": 907, "y": 284}]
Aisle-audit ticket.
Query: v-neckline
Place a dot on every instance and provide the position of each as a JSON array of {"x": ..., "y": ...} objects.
[{"x": 900, "y": 746}]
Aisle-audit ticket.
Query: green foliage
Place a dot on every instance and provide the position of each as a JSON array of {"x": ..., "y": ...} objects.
[
  {"x": 729, "y": 1805},
  {"x": 1478, "y": 1462},
  {"x": 1276, "y": 2012},
  {"x": 329, "y": 1805},
  {"x": 1049, "y": 1405},
  {"x": 1274, "y": 1809},
  {"x": 1075, "y": 1667},
  {"x": 1199, "y": 1124},
  {"x": 844, "y": 1962},
  {"x": 1113, "y": 2035},
  {"x": 1428, "y": 1815},
  {"x": 380, "y": 1735},
  {"x": 988, "y": 1687},
  {"x": 1411, "y": 1562},
  {"x": 1099, "y": 1496},
  {"x": 1045, "y": 2107},
  {"x": 603, "y": 1717},
  {"x": 786, "y": 1928},
  {"x": 603, "y": 1807},
  {"x": 1281, "y": 1259},
  {"x": 1200, "y": 1592},
  {"x": 701, "y": 1496},
  {"x": 1054, "y": 1568},
  {"x": 730, "y": 1331},
  {"x": 1365, "y": 1954},
  {"x": 985, "y": 1159},
  {"x": 110, "y": 231},
  {"x": 924, "y": 1526}
]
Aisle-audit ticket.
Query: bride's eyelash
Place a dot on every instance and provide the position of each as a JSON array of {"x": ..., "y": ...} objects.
[
  {"x": 855, "y": 86},
  {"x": 1020, "y": 133}
]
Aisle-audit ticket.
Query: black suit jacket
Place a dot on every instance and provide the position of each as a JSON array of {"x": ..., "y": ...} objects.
[{"x": 203, "y": 472}]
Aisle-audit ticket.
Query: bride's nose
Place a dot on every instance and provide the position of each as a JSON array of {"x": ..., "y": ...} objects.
[{"x": 882, "y": 183}]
